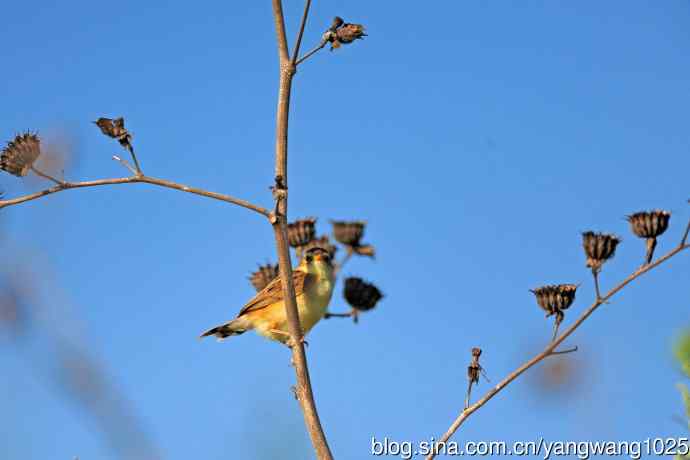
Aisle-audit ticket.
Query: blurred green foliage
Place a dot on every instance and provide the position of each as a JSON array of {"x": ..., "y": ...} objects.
[{"x": 682, "y": 353}]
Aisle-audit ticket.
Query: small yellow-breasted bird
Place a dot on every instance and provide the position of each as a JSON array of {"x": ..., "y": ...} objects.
[{"x": 313, "y": 279}]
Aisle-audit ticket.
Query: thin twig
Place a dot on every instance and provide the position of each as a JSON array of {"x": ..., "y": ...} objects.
[
  {"x": 338, "y": 315},
  {"x": 595, "y": 273},
  {"x": 62, "y": 186},
  {"x": 278, "y": 218},
  {"x": 136, "y": 162},
  {"x": 311, "y": 52},
  {"x": 46, "y": 176},
  {"x": 550, "y": 349},
  {"x": 342, "y": 263},
  {"x": 564, "y": 352},
  {"x": 298, "y": 42},
  {"x": 469, "y": 394},
  {"x": 124, "y": 163},
  {"x": 354, "y": 314},
  {"x": 555, "y": 330},
  {"x": 685, "y": 235}
]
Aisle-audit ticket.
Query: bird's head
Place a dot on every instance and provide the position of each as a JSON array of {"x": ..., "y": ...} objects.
[{"x": 316, "y": 260}]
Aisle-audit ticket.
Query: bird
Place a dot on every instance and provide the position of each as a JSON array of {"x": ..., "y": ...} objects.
[{"x": 313, "y": 279}]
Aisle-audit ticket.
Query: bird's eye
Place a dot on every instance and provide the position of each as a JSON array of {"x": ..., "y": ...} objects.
[{"x": 309, "y": 258}]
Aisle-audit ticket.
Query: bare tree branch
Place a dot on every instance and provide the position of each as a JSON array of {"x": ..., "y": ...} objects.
[
  {"x": 550, "y": 350},
  {"x": 303, "y": 390},
  {"x": 280, "y": 31},
  {"x": 685, "y": 235},
  {"x": 46, "y": 176},
  {"x": 62, "y": 186},
  {"x": 311, "y": 52},
  {"x": 298, "y": 42}
]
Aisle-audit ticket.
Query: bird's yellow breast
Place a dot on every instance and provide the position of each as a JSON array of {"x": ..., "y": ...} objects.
[{"x": 271, "y": 322}]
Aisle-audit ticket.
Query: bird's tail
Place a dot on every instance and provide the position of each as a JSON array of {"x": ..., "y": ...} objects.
[{"x": 235, "y": 327}]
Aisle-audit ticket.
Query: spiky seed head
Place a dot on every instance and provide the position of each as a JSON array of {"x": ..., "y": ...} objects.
[
  {"x": 476, "y": 352},
  {"x": 20, "y": 154},
  {"x": 599, "y": 247},
  {"x": 263, "y": 275},
  {"x": 555, "y": 298},
  {"x": 115, "y": 128},
  {"x": 348, "y": 233},
  {"x": 361, "y": 295},
  {"x": 348, "y": 33},
  {"x": 649, "y": 224},
  {"x": 301, "y": 232}
]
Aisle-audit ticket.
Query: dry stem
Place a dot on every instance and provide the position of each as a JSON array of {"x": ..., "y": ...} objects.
[
  {"x": 550, "y": 349},
  {"x": 62, "y": 186},
  {"x": 303, "y": 390}
]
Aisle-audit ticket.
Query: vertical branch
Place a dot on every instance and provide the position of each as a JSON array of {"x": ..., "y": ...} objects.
[
  {"x": 303, "y": 390},
  {"x": 280, "y": 31}
]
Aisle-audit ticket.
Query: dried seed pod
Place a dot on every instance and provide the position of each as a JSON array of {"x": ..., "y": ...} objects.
[
  {"x": 649, "y": 225},
  {"x": 115, "y": 128},
  {"x": 554, "y": 299},
  {"x": 350, "y": 234},
  {"x": 322, "y": 242},
  {"x": 301, "y": 232},
  {"x": 20, "y": 154},
  {"x": 473, "y": 371},
  {"x": 347, "y": 33},
  {"x": 344, "y": 33},
  {"x": 474, "y": 368},
  {"x": 361, "y": 295},
  {"x": 264, "y": 275},
  {"x": 599, "y": 247}
]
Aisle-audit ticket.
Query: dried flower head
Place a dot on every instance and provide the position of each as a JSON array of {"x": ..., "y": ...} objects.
[
  {"x": 20, "y": 154},
  {"x": 649, "y": 224},
  {"x": 350, "y": 234},
  {"x": 115, "y": 128},
  {"x": 301, "y": 232},
  {"x": 599, "y": 247},
  {"x": 322, "y": 242},
  {"x": 342, "y": 33},
  {"x": 474, "y": 368},
  {"x": 476, "y": 352},
  {"x": 347, "y": 33},
  {"x": 554, "y": 299},
  {"x": 361, "y": 295},
  {"x": 263, "y": 275}
]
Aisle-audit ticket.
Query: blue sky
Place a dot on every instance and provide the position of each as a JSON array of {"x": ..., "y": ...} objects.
[{"x": 477, "y": 138}]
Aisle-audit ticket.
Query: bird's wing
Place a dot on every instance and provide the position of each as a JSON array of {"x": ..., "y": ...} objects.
[{"x": 274, "y": 292}]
